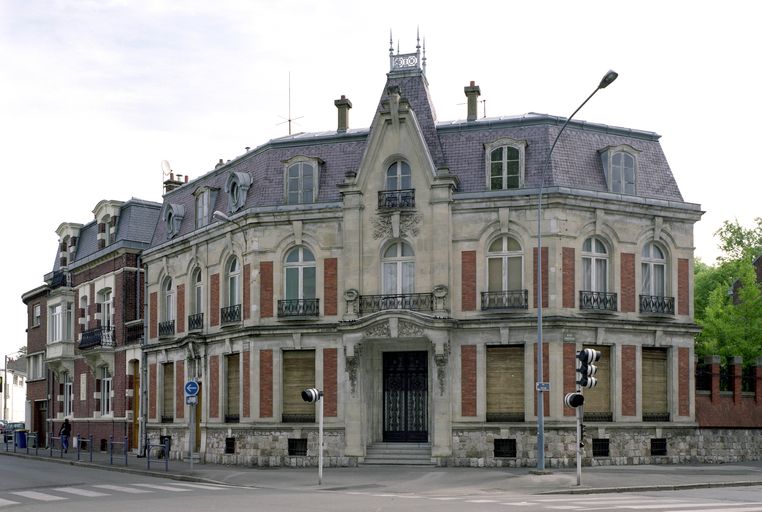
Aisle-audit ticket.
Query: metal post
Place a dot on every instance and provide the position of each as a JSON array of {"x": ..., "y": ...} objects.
[
  {"x": 166, "y": 453},
  {"x": 125, "y": 450},
  {"x": 192, "y": 436},
  {"x": 320, "y": 441},
  {"x": 50, "y": 443},
  {"x": 90, "y": 446},
  {"x": 111, "y": 450},
  {"x": 580, "y": 416},
  {"x": 79, "y": 445}
]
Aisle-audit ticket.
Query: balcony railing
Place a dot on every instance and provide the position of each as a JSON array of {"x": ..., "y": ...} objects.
[
  {"x": 411, "y": 301},
  {"x": 597, "y": 301},
  {"x": 657, "y": 305},
  {"x": 391, "y": 199},
  {"x": 509, "y": 299},
  {"x": 196, "y": 322},
  {"x": 99, "y": 337},
  {"x": 60, "y": 279},
  {"x": 298, "y": 308},
  {"x": 133, "y": 333},
  {"x": 167, "y": 328},
  {"x": 231, "y": 314}
]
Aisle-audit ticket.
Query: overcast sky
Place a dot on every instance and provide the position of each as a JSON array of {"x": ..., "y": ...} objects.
[{"x": 95, "y": 94}]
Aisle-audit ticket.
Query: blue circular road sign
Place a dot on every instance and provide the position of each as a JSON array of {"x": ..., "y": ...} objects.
[{"x": 191, "y": 388}]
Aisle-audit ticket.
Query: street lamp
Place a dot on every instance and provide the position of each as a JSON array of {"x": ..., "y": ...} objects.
[
  {"x": 607, "y": 79},
  {"x": 223, "y": 217}
]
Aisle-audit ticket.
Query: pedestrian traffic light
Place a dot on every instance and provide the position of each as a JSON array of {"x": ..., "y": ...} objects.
[
  {"x": 312, "y": 395},
  {"x": 574, "y": 399},
  {"x": 587, "y": 356},
  {"x": 581, "y": 435}
]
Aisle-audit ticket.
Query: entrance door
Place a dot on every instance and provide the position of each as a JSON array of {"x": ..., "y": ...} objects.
[
  {"x": 405, "y": 397},
  {"x": 40, "y": 421}
]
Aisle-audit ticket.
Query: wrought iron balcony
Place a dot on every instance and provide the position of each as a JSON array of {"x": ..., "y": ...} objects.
[
  {"x": 167, "y": 328},
  {"x": 411, "y": 301},
  {"x": 392, "y": 199},
  {"x": 99, "y": 337},
  {"x": 597, "y": 301},
  {"x": 298, "y": 308},
  {"x": 133, "y": 333},
  {"x": 657, "y": 305},
  {"x": 509, "y": 299},
  {"x": 196, "y": 322},
  {"x": 231, "y": 314}
]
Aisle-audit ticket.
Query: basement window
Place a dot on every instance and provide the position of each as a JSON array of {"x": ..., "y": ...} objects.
[
  {"x": 600, "y": 447},
  {"x": 658, "y": 446},
  {"x": 505, "y": 448},
  {"x": 297, "y": 447}
]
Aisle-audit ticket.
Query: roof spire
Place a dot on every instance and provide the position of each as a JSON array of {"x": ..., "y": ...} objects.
[
  {"x": 391, "y": 44},
  {"x": 418, "y": 38},
  {"x": 424, "y": 55}
]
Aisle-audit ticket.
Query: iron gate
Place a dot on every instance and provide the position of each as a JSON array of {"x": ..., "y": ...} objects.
[{"x": 405, "y": 397}]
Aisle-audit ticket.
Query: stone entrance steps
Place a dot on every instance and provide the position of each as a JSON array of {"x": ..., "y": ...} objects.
[{"x": 399, "y": 454}]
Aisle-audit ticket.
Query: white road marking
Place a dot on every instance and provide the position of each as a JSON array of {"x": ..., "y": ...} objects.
[
  {"x": 744, "y": 509},
  {"x": 80, "y": 492},
  {"x": 207, "y": 487},
  {"x": 481, "y": 501},
  {"x": 7, "y": 503},
  {"x": 684, "y": 505},
  {"x": 39, "y": 496},
  {"x": 121, "y": 488},
  {"x": 163, "y": 488}
]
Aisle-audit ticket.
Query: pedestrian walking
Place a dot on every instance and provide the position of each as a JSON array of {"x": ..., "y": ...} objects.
[{"x": 65, "y": 432}]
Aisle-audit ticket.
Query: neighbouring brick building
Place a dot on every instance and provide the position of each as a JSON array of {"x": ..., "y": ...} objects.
[
  {"x": 86, "y": 324},
  {"x": 394, "y": 268}
]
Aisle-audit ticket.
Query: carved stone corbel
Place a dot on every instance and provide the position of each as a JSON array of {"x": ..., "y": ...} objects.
[{"x": 441, "y": 358}]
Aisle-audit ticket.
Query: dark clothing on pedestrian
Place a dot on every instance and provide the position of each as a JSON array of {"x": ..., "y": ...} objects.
[{"x": 65, "y": 432}]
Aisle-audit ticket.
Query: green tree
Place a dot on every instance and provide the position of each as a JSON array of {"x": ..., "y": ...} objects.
[{"x": 740, "y": 243}]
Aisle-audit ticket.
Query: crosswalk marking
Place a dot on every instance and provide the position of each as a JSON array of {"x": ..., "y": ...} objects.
[
  {"x": 39, "y": 496},
  {"x": 121, "y": 488},
  {"x": 7, "y": 503},
  {"x": 744, "y": 509},
  {"x": 80, "y": 492},
  {"x": 681, "y": 505},
  {"x": 163, "y": 487},
  {"x": 206, "y": 487}
]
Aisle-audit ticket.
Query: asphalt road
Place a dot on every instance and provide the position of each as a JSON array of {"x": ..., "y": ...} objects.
[{"x": 36, "y": 485}]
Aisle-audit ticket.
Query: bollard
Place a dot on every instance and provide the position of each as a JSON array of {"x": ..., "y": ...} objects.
[
  {"x": 111, "y": 450},
  {"x": 50, "y": 443},
  {"x": 79, "y": 445},
  {"x": 125, "y": 450}
]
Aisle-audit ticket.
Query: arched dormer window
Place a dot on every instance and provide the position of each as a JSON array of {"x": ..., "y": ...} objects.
[
  {"x": 301, "y": 180},
  {"x": 237, "y": 188},
  {"x": 173, "y": 215},
  {"x": 505, "y": 164},
  {"x": 620, "y": 168},
  {"x": 398, "y": 264}
]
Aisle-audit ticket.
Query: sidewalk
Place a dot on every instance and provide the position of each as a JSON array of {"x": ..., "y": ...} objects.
[{"x": 431, "y": 480}]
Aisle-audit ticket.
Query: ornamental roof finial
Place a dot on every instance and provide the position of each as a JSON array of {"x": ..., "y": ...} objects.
[{"x": 391, "y": 44}]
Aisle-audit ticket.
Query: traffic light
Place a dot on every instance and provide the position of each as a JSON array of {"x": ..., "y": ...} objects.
[
  {"x": 312, "y": 395},
  {"x": 581, "y": 435},
  {"x": 574, "y": 399},
  {"x": 586, "y": 370}
]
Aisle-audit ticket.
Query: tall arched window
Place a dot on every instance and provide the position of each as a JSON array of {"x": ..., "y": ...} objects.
[
  {"x": 168, "y": 300},
  {"x": 505, "y": 169},
  {"x": 398, "y": 269},
  {"x": 653, "y": 271},
  {"x": 234, "y": 282},
  {"x": 398, "y": 176},
  {"x": 198, "y": 292},
  {"x": 595, "y": 266},
  {"x": 505, "y": 264},
  {"x": 300, "y": 274}
]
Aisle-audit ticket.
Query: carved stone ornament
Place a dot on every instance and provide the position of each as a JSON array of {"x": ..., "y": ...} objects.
[
  {"x": 441, "y": 362},
  {"x": 378, "y": 330},
  {"x": 352, "y": 363},
  {"x": 409, "y": 226},
  {"x": 409, "y": 330}
]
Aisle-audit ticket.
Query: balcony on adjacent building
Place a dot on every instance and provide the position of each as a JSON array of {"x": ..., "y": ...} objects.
[
  {"x": 196, "y": 322},
  {"x": 231, "y": 314},
  {"x": 597, "y": 301},
  {"x": 506, "y": 300},
  {"x": 59, "y": 279},
  {"x": 99, "y": 337},
  {"x": 166, "y": 328},
  {"x": 411, "y": 301},
  {"x": 394, "y": 199},
  {"x": 133, "y": 332},
  {"x": 296, "y": 309},
  {"x": 653, "y": 304}
]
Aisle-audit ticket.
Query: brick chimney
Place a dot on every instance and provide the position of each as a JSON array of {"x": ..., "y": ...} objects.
[
  {"x": 343, "y": 105},
  {"x": 172, "y": 183},
  {"x": 472, "y": 93}
]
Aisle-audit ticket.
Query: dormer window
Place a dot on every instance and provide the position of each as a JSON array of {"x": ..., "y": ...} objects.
[
  {"x": 237, "y": 188},
  {"x": 202, "y": 208},
  {"x": 620, "y": 168},
  {"x": 301, "y": 180},
  {"x": 399, "y": 192},
  {"x": 505, "y": 164},
  {"x": 173, "y": 215}
]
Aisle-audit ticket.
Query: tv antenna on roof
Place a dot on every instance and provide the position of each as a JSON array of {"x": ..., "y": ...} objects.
[
  {"x": 166, "y": 169},
  {"x": 290, "y": 119}
]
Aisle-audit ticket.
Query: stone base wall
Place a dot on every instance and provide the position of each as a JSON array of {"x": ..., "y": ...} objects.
[{"x": 626, "y": 446}]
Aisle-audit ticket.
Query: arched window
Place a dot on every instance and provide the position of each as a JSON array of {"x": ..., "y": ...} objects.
[
  {"x": 300, "y": 183},
  {"x": 505, "y": 168},
  {"x": 653, "y": 269},
  {"x": 623, "y": 173},
  {"x": 398, "y": 269},
  {"x": 505, "y": 264},
  {"x": 595, "y": 266},
  {"x": 168, "y": 300},
  {"x": 234, "y": 282},
  {"x": 198, "y": 292},
  {"x": 398, "y": 176},
  {"x": 300, "y": 274}
]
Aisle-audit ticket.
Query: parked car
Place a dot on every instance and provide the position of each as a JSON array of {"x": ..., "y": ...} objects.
[{"x": 10, "y": 428}]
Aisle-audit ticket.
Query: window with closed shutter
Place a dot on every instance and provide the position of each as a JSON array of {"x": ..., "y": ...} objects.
[
  {"x": 168, "y": 402},
  {"x": 505, "y": 383},
  {"x": 655, "y": 403},
  {"x": 598, "y": 399},
  {"x": 232, "y": 389},
  {"x": 298, "y": 375}
]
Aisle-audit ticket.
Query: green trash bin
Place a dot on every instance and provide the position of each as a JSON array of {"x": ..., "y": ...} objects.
[{"x": 21, "y": 438}]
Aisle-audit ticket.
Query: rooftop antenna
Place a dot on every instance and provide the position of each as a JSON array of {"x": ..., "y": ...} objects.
[
  {"x": 166, "y": 171},
  {"x": 290, "y": 119}
]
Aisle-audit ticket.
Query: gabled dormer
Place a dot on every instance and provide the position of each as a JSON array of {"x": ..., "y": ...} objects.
[{"x": 107, "y": 216}]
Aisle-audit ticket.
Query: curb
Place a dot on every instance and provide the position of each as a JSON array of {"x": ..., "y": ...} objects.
[{"x": 641, "y": 488}]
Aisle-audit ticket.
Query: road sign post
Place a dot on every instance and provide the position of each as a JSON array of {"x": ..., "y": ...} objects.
[{"x": 191, "y": 398}]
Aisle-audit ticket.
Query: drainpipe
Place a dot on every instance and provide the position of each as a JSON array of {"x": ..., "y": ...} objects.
[{"x": 143, "y": 398}]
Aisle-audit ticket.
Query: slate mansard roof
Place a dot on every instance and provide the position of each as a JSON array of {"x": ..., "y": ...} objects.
[
  {"x": 456, "y": 145},
  {"x": 134, "y": 230}
]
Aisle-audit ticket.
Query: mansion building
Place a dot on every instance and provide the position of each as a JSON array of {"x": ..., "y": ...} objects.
[{"x": 394, "y": 268}]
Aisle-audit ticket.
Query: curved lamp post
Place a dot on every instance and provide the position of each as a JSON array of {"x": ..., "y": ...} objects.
[{"x": 607, "y": 79}]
